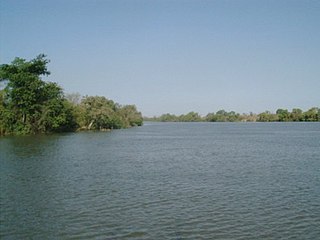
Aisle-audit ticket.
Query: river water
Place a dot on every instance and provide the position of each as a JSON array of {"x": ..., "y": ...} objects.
[{"x": 164, "y": 181}]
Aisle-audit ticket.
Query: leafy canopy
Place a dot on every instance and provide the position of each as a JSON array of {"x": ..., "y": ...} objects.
[{"x": 29, "y": 104}]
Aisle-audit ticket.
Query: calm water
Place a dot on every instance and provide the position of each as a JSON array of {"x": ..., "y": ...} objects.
[{"x": 164, "y": 181}]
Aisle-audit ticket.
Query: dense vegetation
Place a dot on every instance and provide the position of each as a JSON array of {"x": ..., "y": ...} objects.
[
  {"x": 281, "y": 115},
  {"x": 29, "y": 105}
]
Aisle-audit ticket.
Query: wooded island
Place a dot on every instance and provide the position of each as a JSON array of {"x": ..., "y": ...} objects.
[{"x": 29, "y": 105}]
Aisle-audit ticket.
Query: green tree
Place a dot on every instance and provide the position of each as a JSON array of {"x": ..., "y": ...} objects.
[
  {"x": 190, "y": 117},
  {"x": 2, "y": 113},
  {"x": 283, "y": 115},
  {"x": 130, "y": 116},
  {"x": 211, "y": 117},
  {"x": 296, "y": 115},
  {"x": 233, "y": 116},
  {"x": 98, "y": 112},
  {"x": 267, "y": 117},
  {"x": 29, "y": 104},
  {"x": 167, "y": 117},
  {"x": 221, "y": 116},
  {"x": 313, "y": 114}
]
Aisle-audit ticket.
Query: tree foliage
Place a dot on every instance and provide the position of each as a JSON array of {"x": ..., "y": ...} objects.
[
  {"x": 97, "y": 113},
  {"x": 30, "y": 105},
  {"x": 223, "y": 116},
  {"x": 281, "y": 115}
]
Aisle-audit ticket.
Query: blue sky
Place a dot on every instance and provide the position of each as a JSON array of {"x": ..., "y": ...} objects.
[{"x": 174, "y": 56}]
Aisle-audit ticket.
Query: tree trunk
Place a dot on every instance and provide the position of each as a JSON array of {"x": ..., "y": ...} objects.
[
  {"x": 24, "y": 117},
  {"x": 90, "y": 125}
]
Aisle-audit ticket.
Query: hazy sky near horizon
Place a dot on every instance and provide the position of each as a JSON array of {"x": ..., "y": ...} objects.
[{"x": 174, "y": 56}]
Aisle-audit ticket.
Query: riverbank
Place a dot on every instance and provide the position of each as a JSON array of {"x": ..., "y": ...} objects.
[{"x": 281, "y": 115}]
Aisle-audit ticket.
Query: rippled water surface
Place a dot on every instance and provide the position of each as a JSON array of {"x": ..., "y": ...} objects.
[{"x": 164, "y": 181}]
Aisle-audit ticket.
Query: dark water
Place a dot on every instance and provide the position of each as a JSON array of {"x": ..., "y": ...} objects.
[{"x": 164, "y": 181}]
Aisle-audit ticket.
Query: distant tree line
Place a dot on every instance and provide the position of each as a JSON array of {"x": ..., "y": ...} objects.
[
  {"x": 281, "y": 115},
  {"x": 29, "y": 105}
]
